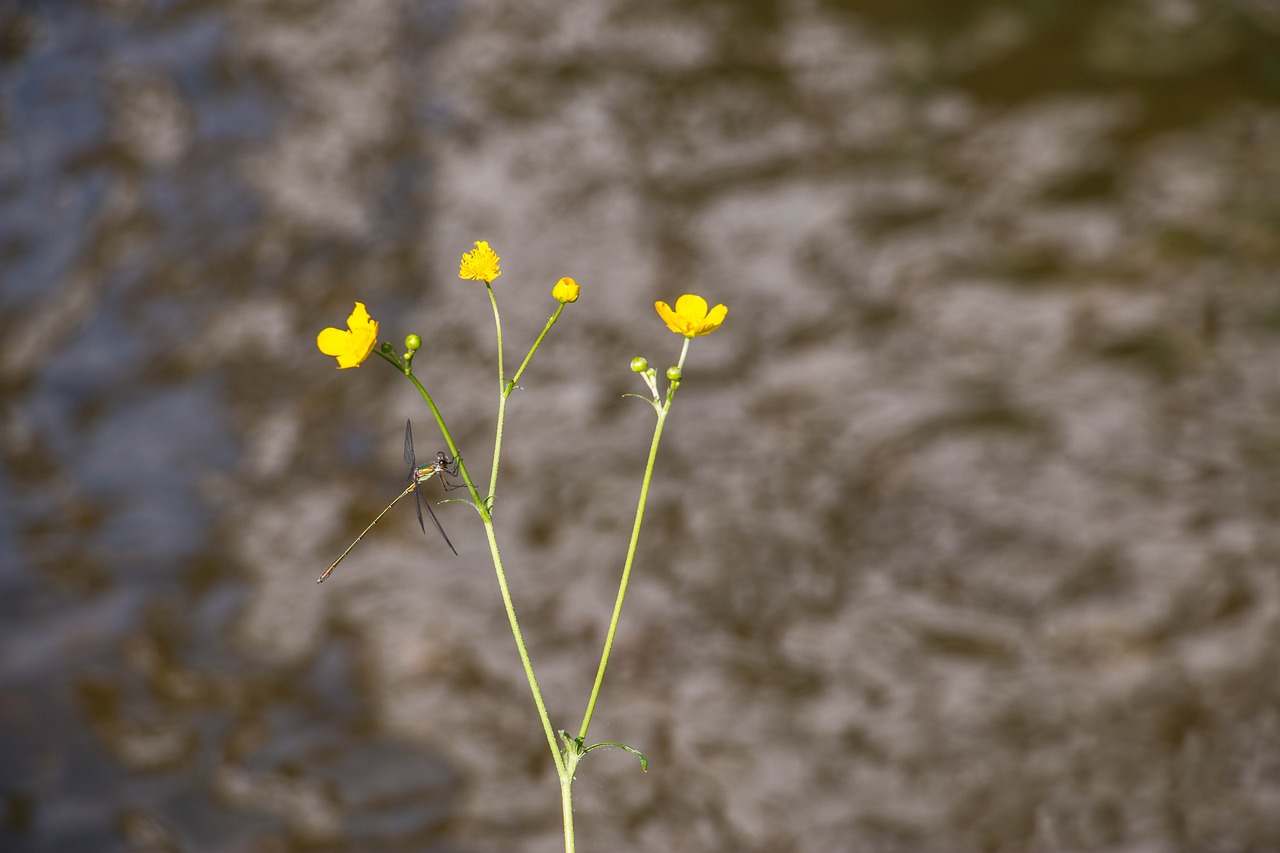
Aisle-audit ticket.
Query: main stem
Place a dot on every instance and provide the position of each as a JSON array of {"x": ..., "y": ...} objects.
[
  {"x": 566, "y": 807},
  {"x": 562, "y": 771},
  {"x": 520, "y": 646},
  {"x": 490, "y": 534},
  {"x": 485, "y": 507}
]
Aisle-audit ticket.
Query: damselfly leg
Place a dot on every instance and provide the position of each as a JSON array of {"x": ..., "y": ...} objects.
[{"x": 445, "y": 465}]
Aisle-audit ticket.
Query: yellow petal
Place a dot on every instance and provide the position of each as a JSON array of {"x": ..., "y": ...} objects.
[
  {"x": 713, "y": 319},
  {"x": 690, "y": 317},
  {"x": 351, "y": 347},
  {"x": 332, "y": 341},
  {"x": 692, "y": 306},
  {"x": 360, "y": 318},
  {"x": 480, "y": 264},
  {"x": 351, "y": 359},
  {"x": 674, "y": 321}
]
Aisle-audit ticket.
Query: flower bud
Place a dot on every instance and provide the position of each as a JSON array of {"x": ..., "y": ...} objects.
[
  {"x": 639, "y": 364},
  {"x": 566, "y": 290},
  {"x": 412, "y": 343},
  {"x": 673, "y": 373}
]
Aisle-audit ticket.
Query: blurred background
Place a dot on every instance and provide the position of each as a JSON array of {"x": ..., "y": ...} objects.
[{"x": 963, "y": 533}]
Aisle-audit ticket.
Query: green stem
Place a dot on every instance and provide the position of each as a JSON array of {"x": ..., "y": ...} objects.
[
  {"x": 524, "y": 653},
  {"x": 497, "y": 322},
  {"x": 566, "y": 805},
  {"x": 662, "y": 410},
  {"x": 407, "y": 369},
  {"x": 563, "y": 771},
  {"x": 626, "y": 573},
  {"x": 502, "y": 399},
  {"x": 565, "y": 764},
  {"x": 514, "y": 379},
  {"x": 507, "y": 386},
  {"x": 684, "y": 351}
]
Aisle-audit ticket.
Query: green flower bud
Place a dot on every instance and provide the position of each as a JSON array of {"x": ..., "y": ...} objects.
[
  {"x": 639, "y": 364},
  {"x": 413, "y": 342},
  {"x": 673, "y": 373}
]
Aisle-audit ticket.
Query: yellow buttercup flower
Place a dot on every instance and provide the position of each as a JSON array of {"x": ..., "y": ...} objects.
[
  {"x": 691, "y": 317},
  {"x": 566, "y": 290},
  {"x": 480, "y": 264},
  {"x": 353, "y": 346}
]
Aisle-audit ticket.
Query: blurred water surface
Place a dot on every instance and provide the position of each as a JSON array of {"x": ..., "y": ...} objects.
[{"x": 963, "y": 535}]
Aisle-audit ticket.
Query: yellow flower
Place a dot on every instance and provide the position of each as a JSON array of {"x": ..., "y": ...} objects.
[
  {"x": 480, "y": 264},
  {"x": 351, "y": 347},
  {"x": 566, "y": 290},
  {"x": 691, "y": 317}
]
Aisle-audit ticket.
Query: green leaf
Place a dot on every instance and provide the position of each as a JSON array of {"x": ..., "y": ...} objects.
[{"x": 644, "y": 762}]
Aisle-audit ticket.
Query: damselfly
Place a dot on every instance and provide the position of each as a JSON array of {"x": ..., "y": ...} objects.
[{"x": 418, "y": 474}]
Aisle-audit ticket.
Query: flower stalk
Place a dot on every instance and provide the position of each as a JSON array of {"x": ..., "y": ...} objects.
[{"x": 690, "y": 318}]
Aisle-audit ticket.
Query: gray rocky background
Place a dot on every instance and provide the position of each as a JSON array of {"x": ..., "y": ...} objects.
[{"x": 963, "y": 531}]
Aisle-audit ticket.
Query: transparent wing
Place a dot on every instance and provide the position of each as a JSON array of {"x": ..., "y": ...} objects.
[
  {"x": 421, "y": 502},
  {"x": 408, "y": 449},
  {"x": 418, "y": 501}
]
